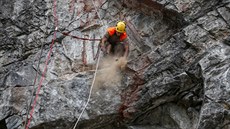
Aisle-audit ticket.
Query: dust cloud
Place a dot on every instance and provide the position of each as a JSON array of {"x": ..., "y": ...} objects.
[{"x": 109, "y": 72}]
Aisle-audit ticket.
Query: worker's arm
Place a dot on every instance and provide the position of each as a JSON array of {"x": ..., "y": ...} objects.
[
  {"x": 102, "y": 44},
  {"x": 103, "y": 40}
]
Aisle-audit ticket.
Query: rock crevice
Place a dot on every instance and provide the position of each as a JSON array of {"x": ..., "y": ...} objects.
[{"x": 176, "y": 77}]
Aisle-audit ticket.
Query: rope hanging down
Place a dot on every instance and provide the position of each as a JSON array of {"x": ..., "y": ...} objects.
[
  {"x": 95, "y": 56},
  {"x": 33, "y": 90},
  {"x": 46, "y": 63},
  {"x": 94, "y": 78},
  {"x": 84, "y": 54},
  {"x": 48, "y": 58}
]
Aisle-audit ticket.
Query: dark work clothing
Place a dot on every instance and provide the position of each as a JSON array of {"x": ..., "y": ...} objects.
[
  {"x": 115, "y": 39},
  {"x": 117, "y": 50},
  {"x": 117, "y": 47}
]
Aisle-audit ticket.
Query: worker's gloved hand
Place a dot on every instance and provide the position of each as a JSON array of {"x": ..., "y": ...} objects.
[{"x": 103, "y": 49}]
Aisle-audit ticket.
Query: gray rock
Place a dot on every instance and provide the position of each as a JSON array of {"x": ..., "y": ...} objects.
[
  {"x": 176, "y": 78},
  {"x": 195, "y": 33},
  {"x": 216, "y": 88},
  {"x": 212, "y": 23},
  {"x": 224, "y": 13},
  {"x": 13, "y": 122},
  {"x": 22, "y": 78}
]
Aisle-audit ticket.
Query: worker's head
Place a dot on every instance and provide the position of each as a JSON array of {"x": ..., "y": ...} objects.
[{"x": 120, "y": 27}]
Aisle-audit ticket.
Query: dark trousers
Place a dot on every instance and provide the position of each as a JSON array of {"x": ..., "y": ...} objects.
[{"x": 117, "y": 49}]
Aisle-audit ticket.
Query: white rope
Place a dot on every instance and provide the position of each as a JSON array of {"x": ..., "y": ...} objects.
[
  {"x": 90, "y": 92},
  {"x": 94, "y": 78}
]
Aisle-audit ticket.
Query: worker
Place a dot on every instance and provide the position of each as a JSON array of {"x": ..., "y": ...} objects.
[{"x": 115, "y": 41}]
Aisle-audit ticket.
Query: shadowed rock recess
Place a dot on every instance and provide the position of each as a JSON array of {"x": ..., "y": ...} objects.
[{"x": 177, "y": 76}]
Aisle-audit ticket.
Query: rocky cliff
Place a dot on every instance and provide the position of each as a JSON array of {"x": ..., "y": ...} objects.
[{"x": 177, "y": 76}]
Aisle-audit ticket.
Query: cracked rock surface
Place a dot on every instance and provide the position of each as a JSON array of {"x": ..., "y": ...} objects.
[{"x": 177, "y": 76}]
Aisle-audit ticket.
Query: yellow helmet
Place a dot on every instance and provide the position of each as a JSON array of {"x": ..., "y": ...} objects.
[{"x": 120, "y": 27}]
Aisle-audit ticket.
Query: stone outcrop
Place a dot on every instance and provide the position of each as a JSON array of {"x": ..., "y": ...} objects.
[{"x": 177, "y": 76}]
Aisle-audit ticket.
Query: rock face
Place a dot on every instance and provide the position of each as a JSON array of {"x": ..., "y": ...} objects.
[{"x": 177, "y": 76}]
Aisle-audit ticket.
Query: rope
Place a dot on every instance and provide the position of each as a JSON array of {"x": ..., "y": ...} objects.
[
  {"x": 35, "y": 80},
  {"x": 97, "y": 53},
  {"x": 94, "y": 78},
  {"x": 46, "y": 64},
  {"x": 84, "y": 54},
  {"x": 95, "y": 56},
  {"x": 90, "y": 92},
  {"x": 76, "y": 37}
]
